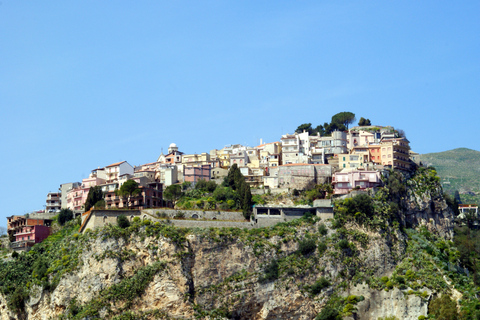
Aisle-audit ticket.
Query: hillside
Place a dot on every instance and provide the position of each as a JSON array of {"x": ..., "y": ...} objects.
[
  {"x": 459, "y": 169},
  {"x": 360, "y": 265}
]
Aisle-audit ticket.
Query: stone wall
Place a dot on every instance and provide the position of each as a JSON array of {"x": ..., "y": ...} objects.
[
  {"x": 213, "y": 219},
  {"x": 99, "y": 218},
  {"x": 211, "y": 224},
  {"x": 197, "y": 214}
]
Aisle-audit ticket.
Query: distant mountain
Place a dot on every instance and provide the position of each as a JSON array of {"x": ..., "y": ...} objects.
[{"x": 459, "y": 170}]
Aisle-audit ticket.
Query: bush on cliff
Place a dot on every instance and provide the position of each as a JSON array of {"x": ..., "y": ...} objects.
[{"x": 122, "y": 221}]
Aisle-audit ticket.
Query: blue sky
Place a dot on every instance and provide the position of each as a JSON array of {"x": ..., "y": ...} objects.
[{"x": 84, "y": 84}]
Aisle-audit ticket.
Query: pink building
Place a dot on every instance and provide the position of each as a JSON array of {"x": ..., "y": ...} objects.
[
  {"x": 344, "y": 182},
  {"x": 77, "y": 197},
  {"x": 193, "y": 174},
  {"x": 28, "y": 231}
]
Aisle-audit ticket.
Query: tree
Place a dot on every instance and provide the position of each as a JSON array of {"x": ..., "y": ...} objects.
[
  {"x": 457, "y": 197},
  {"x": 364, "y": 122},
  {"x": 233, "y": 177},
  {"x": 186, "y": 185},
  {"x": 95, "y": 194},
  {"x": 64, "y": 216},
  {"x": 128, "y": 190},
  {"x": 443, "y": 308},
  {"x": 344, "y": 118},
  {"x": 320, "y": 129},
  {"x": 401, "y": 133},
  {"x": 247, "y": 202},
  {"x": 173, "y": 193},
  {"x": 305, "y": 127}
]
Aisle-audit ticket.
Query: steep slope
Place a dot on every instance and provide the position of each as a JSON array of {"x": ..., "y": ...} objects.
[{"x": 361, "y": 264}]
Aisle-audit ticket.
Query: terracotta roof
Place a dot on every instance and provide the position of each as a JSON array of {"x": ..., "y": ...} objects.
[
  {"x": 147, "y": 164},
  {"x": 266, "y": 144},
  {"x": 115, "y": 164}
]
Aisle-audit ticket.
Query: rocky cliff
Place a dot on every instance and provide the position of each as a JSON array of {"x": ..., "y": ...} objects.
[
  {"x": 294, "y": 270},
  {"x": 219, "y": 274}
]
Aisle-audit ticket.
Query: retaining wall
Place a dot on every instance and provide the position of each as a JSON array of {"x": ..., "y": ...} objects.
[
  {"x": 211, "y": 224},
  {"x": 198, "y": 214}
]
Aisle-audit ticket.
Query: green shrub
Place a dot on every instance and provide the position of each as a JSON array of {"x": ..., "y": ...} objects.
[
  {"x": 122, "y": 221},
  {"x": 307, "y": 246},
  {"x": 321, "y": 248},
  {"x": 348, "y": 309},
  {"x": 322, "y": 229},
  {"x": 443, "y": 308},
  {"x": 179, "y": 215},
  {"x": 410, "y": 275},
  {"x": 64, "y": 216},
  {"x": 389, "y": 284},
  {"x": 17, "y": 301},
  {"x": 343, "y": 244},
  {"x": 270, "y": 272},
  {"x": 328, "y": 313},
  {"x": 319, "y": 285}
]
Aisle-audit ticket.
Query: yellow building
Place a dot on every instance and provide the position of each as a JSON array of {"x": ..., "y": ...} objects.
[{"x": 396, "y": 153}]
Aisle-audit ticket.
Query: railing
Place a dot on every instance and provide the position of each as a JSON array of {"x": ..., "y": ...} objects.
[{"x": 21, "y": 244}]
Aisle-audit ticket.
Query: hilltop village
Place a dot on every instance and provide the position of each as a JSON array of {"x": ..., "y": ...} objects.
[
  {"x": 324, "y": 224},
  {"x": 346, "y": 160}
]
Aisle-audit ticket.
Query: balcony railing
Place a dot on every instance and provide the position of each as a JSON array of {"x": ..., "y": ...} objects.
[{"x": 22, "y": 244}]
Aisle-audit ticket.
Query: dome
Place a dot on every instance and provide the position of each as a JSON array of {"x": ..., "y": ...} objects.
[{"x": 172, "y": 145}]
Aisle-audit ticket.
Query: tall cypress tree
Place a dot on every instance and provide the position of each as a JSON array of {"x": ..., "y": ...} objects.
[
  {"x": 247, "y": 202},
  {"x": 95, "y": 194}
]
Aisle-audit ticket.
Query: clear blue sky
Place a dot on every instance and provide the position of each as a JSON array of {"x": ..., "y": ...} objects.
[{"x": 85, "y": 84}]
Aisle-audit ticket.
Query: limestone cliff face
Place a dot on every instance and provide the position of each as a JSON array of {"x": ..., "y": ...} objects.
[
  {"x": 381, "y": 304},
  {"x": 427, "y": 207},
  {"x": 217, "y": 276}
]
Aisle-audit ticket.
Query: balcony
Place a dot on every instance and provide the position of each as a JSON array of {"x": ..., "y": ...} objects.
[
  {"x": 31, "y": 233},
  {"x": 18, "y": 245}
]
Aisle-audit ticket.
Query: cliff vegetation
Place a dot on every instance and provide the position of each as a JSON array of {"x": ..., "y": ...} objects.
[{"x": 388, "y": 254}]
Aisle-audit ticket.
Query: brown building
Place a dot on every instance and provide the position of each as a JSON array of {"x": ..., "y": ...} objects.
[{"x": 150, "y": 196}]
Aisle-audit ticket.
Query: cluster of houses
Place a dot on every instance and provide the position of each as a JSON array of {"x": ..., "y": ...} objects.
[{"x": 348, "y": 160}]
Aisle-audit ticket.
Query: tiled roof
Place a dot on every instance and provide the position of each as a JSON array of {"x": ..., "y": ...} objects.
[{"x": 115, "y": 164}]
